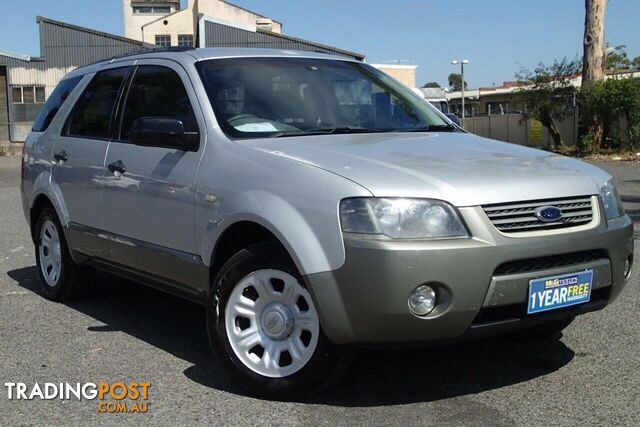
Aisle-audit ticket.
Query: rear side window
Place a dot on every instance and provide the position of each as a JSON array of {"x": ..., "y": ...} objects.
[
  {"x": 53, "y": 104},
  {"x": 91, "y": 116},
  {"x": 157, "y": 91}
]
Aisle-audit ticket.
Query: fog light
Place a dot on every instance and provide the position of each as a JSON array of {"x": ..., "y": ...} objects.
[{"x": 422, "y": 300}]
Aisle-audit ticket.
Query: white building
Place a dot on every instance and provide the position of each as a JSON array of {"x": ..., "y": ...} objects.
[
  {"x": 26, "y": 82},
  {"x": 163, "y": 23},
  {"x": 405, "y": 73}
]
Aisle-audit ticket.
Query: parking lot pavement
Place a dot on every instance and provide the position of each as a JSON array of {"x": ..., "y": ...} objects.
[{"x": 126, "y": 332}]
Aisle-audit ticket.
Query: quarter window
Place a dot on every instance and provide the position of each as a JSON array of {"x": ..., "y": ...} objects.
[
  {"x": 157, "y": 91},
  {"x": 53, "y": 104},
  {"x": 91, "y": 116},
  {"x": 164, "y": 41}
]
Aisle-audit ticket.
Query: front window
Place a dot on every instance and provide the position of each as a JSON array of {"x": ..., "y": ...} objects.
[
  {"x": 157, "y": 91},
  {"x": 274, "y": 97}
]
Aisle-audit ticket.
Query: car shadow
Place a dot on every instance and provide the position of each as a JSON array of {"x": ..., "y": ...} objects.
[{"x": 375, "y": 378}]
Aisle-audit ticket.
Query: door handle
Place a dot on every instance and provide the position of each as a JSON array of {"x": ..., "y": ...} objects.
[
  {"x": 61, "y": 156},
  {"x": 117, "y": 168}
]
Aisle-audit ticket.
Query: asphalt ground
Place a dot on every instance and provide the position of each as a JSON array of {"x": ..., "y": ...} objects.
[{"x": 127, "y": 332}]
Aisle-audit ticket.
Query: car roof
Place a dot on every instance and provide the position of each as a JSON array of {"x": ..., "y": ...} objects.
[{"x": 199, "y": 54}]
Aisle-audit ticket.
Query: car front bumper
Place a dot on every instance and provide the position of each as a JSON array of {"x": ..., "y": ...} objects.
[{"x": 483, "y": 281}]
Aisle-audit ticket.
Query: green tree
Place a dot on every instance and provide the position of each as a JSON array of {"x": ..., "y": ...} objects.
[
  {"x": 432, "y": 84},
  {"x": 455, "y": 81},
  {"x": 635, "y": 64},
  {"x": 618, "y": 60},
  {"x": 547, "y": 94}
]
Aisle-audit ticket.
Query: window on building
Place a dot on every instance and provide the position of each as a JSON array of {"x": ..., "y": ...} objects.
[
  {"x": 53, "y": 104},
  {"x": 16, "y": 95},
  {"x": 27, "y": 94},
  {"x": 163, "y": 41},
  {"x": 157, "y": 92},
  {"x": 91, "y": 116},
  {"x": 151, "y": 9},
  {"x": 185, "y": 40},
  {"x": 39, "y": 94}
]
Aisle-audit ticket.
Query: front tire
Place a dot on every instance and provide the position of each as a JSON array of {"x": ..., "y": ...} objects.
[
  {"x": 263, "y": 326},
  {"x": 60, "y": 277}
]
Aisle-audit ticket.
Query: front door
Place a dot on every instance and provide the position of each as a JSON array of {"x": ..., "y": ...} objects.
[
  {"x": 149, "y": 199},
  {"x": 79, "y": 151}
]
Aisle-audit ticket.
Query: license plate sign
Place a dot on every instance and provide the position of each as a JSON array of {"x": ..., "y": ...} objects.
[{"x": 550, "y": 293}]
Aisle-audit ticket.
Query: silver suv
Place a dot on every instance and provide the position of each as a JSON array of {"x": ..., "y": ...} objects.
[{"x": 312, "y": 204}]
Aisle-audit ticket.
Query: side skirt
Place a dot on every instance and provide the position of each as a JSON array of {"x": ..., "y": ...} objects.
[{"x": 180, "y": 273}]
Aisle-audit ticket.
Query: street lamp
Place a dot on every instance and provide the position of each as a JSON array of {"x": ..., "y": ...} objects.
[{"x": 461, "y": 62}]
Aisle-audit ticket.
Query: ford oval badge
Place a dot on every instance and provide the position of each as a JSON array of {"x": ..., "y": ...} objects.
[{"x": 549, "y": 214}]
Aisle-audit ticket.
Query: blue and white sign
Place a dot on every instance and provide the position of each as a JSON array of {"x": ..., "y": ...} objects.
[{"x": 549, "y": 293}]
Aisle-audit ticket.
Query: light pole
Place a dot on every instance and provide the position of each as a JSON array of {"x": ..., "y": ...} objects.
[{"x": 461, "y": 62}]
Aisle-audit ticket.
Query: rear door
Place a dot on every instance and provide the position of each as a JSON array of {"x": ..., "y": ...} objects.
[
  {"x": 150, "y": 205},
  {"x": 79, "y": 151}
]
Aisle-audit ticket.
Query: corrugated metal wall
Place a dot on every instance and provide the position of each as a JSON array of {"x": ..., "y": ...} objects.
[
  {"x": 219, "y": 35},
  {"x": 21, "y": 72},
  {"x": 63, "y": 47}
]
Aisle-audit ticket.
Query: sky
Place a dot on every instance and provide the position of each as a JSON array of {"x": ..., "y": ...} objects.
[{"x": 498, "y": 37}]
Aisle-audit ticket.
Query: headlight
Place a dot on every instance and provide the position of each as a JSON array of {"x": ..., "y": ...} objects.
[
  {"x": 611, "y": 201},
  {"x": 401, "y": 218}
]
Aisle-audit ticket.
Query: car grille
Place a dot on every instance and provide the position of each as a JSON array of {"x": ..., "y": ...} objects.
[
  {"x": 549, "y": 262},
  {"x": 521, "y": 216}
]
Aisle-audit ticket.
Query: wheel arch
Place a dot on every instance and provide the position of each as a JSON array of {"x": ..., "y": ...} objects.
[
  {"x": 239, "y": 235},
  {"x": 313, "y": 243},
  {"x": 40, "y": 202},
  {"x": 46, "y": 189}
]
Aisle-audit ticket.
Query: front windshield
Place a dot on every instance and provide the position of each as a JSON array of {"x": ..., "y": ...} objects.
[{"x": 275, "y": 97}]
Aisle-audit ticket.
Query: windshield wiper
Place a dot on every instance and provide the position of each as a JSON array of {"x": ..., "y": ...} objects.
[
  {"x": 324, "y": 131},
  {"x": 432, "y": 128}
]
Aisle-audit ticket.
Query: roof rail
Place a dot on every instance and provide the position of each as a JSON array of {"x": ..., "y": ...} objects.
[
  {"x": 152, "y": 50},
  {"x": 143, "y": 51},
  {"x": 171, "y": 49}
]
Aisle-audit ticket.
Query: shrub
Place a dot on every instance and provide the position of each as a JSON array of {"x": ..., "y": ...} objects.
[{"x": 617, "y": 102}]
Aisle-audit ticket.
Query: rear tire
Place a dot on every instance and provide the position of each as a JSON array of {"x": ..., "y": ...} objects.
[
  {"x": 544, "y": 331},
  {"x": 264, "y": 328},
  {"x": 60, "y": 277}
]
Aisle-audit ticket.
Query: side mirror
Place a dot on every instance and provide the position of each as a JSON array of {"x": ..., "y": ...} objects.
[{"x": 160, "y": 132}]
